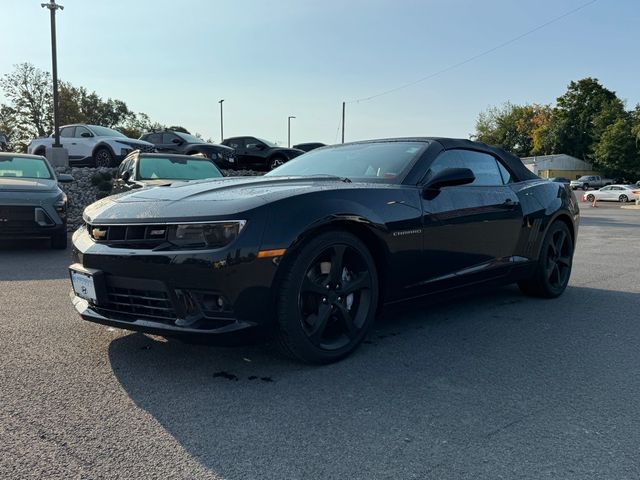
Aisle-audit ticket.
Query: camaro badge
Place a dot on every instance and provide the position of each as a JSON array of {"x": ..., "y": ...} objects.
[{"x": 407, "y": 232}]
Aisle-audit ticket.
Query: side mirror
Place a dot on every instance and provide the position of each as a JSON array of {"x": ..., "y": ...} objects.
[
  {"x": 260, "y": 146},
  {"x": 177, "y": 141},
  {"x": 126, "y": 176},
  {"x": 450, "y": 177},
  {"x": 86, "y": 135},
  {"x": 65, "y": 178}
]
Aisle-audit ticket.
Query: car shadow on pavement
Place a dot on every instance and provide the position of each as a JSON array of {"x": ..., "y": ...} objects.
[
  {"x": 433, "y": 384},
  {"x": 32, "y": 259}
]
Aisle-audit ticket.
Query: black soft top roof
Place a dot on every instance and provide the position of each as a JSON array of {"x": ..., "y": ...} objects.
[{"x": 511, "y": 161}]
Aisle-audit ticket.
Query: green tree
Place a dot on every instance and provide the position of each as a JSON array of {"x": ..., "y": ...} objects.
[
  {"x": 581, "y": 116},
  {"x": 616, "y": 153},
  {"x": 512, "y": 127},
  {"x": 29, "y": 92}
]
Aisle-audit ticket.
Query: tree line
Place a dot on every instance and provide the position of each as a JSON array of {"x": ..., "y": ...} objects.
[
  {"x": 28, "y": 112},
  {"x": 588, "y": 121}
]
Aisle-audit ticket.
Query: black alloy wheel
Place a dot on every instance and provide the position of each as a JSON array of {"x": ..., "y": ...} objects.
[
  {"x": 552, "y": 272},
  {"x": 590, "y": 197},
  {"x": 328, "y": 299},
  {"x": 623, "y": 198},
  {"x": 276, "y": 161},
  {"x": 103, "y": 158}
]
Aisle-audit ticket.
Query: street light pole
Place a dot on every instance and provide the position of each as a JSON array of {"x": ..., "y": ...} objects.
[
  {"x": 53, "y": 6},
  {"x": 221, "y": 122},
  {"x": 289, "y": 131}
]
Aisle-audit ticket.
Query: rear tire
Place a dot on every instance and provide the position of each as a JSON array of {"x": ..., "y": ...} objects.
[
  {"x": 553, "y": 269},
  {"x": 327, "y": 299},
  {"x": 59, "y": 241},
  {"x": 623, "y": 198}
]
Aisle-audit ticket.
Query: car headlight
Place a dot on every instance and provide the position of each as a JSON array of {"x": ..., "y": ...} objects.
[
  {"x": 211, "y": 235},
  {"x": 61, "y": 205}
]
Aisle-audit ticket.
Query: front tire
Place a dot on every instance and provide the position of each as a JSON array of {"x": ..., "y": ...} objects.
[
  {"x": 590, "y": 197},
  {"x": 327, "y": 299},
  {"x": 276, "y": 161},
  {"x": 103, "y": 157},
  {"x": 553, "y": 269}
]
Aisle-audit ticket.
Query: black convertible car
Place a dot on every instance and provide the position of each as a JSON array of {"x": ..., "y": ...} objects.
[{"x": 310, "y": 251}]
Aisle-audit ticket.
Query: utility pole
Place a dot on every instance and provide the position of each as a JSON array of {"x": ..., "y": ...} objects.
[
  {"x": 57, "y": 155},
  {"x": 289, "y": 131},
  {"x": 343, "y": 104},
  {"x": 221, "y": 122}
]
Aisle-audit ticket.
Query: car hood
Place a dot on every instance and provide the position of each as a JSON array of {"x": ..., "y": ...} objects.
[
  {"x": 16, "y": 184},
  {"x": 207, "y": 198}
]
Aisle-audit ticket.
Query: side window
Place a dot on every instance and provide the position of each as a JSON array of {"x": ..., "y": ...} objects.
[
  {"x": 606, "y": 188},
  {"x": 252, "y": 143},
  {"x": 154, "y": 138},
  {"x": 123, "y": 167},
  {"x": 80, "y": 131},
  {"x": 484, "y": 166},
  {"x": 67, "y": 132},
  {"x": 168, "y": 138},
  {"x": 236, "y": 143},
  {"x": 506, "y": 176}
]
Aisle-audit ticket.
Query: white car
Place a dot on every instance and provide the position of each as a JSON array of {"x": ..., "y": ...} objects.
[
  {"x": 92, "y": 145},
  {"x": 614, "y": 193}
]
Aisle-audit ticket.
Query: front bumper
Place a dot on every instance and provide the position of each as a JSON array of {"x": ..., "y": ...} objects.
[
  {"x": 23, "y": 221},
  {"x": 202, "y": 293}
]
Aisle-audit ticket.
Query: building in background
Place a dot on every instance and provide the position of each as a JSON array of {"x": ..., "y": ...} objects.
[{"x": 561, "y": 165}]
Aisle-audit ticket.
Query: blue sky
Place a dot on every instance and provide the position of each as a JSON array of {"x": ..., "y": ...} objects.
[{"x": 269, "y": 59}]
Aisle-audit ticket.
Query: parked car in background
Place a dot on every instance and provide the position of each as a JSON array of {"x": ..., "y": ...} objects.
[
  {"x": 308, "y": 252},
  {"x": 32, "y": 205},
  {"x": 171, "y": 141},
  {"x": 307, "y": 147},
  {"x": 563, "y": 180},
  {"x": 258, "y": 154},
  {"x": 590, "y": 181},
  {"x": 92, "y": 145},
  {"x": 148, "y": 169},
  {"x": 614, "y": 193}
]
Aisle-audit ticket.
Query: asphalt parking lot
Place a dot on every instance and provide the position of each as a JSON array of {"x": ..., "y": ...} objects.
[{"x": 493, "y": 385}]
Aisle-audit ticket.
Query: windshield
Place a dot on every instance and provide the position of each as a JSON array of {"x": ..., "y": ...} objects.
[
  {"x": 24, "y": 167},
  {"x": 105, "y": 132},
  {"x": 167, "y": 168},
  {"x": 189, "y": 138},
  {"x": 386, "y": 162}
]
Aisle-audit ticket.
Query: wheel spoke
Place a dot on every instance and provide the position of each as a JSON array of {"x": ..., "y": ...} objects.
[
  {"x": 309, "y": 286},
  {"x": 560, "y": 242},
  {"x": 565, "y": 260},
  {"x": 361, "y": 281},
  {"x": 345, "y": 315},
  {"x": 337, "y": 262},
  {"x": 319, "y": 322}
]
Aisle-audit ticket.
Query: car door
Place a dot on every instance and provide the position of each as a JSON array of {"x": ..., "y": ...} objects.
[
  {"x": 81, "y": 144},
  {"x": 67, "y": 139},
  {"x": 470, "y": 231},
  {"x": 605, "y": 193},
  {"x": 242, "y": 158},
  {"x": 256, "y": 152}
]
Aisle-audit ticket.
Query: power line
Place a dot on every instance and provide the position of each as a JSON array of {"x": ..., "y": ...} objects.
[{"x": 475, "y": 57}]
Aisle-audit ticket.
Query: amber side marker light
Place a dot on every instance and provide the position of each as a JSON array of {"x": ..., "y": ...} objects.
[{"x": 271, "y": 253}]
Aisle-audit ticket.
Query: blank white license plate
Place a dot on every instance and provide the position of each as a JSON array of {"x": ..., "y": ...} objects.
[{"x": 83, "y": 285}]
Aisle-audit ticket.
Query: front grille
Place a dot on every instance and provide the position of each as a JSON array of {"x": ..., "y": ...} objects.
[
  {"x": 138, "y": 299},
  {"x": 18, "y": 219},
  {"x": 147, "y": 148},
  {"x": 132, "y": 236}
]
